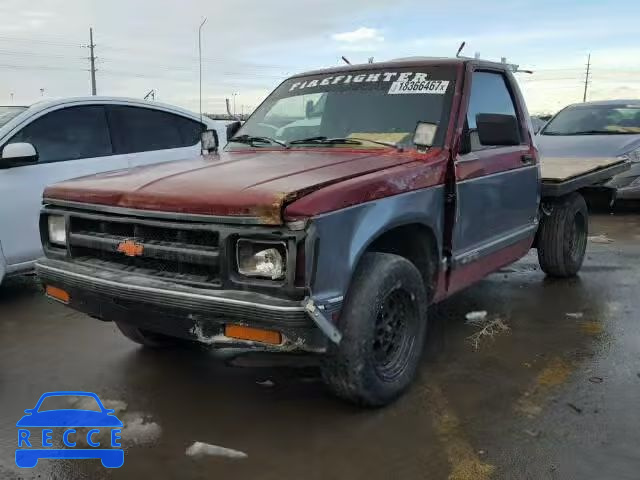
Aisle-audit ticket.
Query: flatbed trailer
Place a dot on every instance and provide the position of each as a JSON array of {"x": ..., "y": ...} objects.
[{"x": 561, "y": 175}]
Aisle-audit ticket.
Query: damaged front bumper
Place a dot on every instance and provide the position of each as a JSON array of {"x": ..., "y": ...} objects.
[{"x": 186, "y": 312}]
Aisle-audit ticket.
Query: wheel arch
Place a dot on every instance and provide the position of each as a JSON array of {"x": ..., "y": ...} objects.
[
  {"x": 345, "y": 236},
  {"x": 414, "y": 241}
]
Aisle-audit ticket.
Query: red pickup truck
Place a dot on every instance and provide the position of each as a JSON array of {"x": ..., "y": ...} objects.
[{"x": 352, "y": 199}]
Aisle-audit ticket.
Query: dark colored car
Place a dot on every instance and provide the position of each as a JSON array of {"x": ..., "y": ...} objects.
[
  {"x": 598, "y": 129},
  {"x": 349, "y": 201}
]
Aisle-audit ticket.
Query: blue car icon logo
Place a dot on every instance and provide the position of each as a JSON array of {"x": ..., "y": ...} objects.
[{"x": 69, "y": 419}]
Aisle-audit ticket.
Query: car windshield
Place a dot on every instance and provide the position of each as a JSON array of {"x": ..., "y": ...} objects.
[
  {"x": 7, "y": 113},
  {"x": 374, "y": 108},
  {"x": 595, "y": 120}
]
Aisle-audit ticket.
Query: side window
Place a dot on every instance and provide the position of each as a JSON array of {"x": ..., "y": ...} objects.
[
  {"x": 68, "y": 134},
  {"x": 137, "y": 129},
  {"x": 489, "y": 94},
  {"x": 190, "y": 131}
]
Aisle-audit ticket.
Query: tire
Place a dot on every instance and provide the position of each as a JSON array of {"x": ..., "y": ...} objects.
[
  {"x": 562, "y": 236},
  {"x": 374, "y": 365},
  {"x": 147, "y": 338}
]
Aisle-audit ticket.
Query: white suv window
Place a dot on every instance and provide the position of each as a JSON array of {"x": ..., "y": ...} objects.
[
  {"x": 137, "y": 129},
  {"x": 68, "y": 134}
]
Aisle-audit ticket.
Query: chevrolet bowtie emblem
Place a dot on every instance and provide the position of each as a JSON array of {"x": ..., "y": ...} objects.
[{"x": 131, "y": 248}]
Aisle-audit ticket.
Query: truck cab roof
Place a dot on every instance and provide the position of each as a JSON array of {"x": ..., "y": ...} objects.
[{"x": 411, "y": 62}]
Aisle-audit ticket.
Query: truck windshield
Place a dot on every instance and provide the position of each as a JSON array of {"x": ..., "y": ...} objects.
[
  {"x": 7, "y": 113},
  {"x": 595, "y": 120},
  {"x": 372, "y": 108}
]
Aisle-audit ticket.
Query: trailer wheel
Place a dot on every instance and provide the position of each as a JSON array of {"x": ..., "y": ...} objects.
[
  {"x": 383, "y": 323},
  {"x": 147, "y": 338},
  {"x": 562, "y": 236}
]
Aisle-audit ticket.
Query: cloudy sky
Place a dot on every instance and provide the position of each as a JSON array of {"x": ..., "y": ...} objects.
[{"x": 249, "y": 46}]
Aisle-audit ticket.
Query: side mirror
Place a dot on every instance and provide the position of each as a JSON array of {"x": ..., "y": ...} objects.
[
  {"x": 18, "y": 154},
  {"x": 424, "y": 134},
  {"x": 209, "y": 141},
  {"x": 497, "y": 129},
  {"x": 232, "y": 129}
]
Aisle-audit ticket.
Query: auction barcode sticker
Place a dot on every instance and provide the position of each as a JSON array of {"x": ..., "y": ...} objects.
[{"x": 438, "y": 87}]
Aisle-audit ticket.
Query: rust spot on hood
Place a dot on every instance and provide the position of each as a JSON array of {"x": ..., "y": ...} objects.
[{"x": 271, "y": 214}]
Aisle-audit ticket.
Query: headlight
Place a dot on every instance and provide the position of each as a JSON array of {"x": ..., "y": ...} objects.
[
  {"x": 633, "y": 155},
  {"x": 261, "y": 259},
  {"x": 57, "y": 230}
]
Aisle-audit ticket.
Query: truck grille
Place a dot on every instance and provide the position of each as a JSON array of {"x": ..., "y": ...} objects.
[{"x": 187, "y": 253}]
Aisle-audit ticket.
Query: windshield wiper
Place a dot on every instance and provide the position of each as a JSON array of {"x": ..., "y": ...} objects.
[
  {"x": 597, "y": 132},
  {"x": 251, "y": 139},
  {"x": 341, "y": 141}
]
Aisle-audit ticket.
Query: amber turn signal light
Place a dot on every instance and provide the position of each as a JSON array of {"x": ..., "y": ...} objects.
[
  {"x": 253, "y": 334},
  {"x": 57, "y": 294}
]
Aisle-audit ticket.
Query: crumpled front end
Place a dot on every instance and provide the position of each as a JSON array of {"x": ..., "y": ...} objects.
[{"x": 182, "y": 278}]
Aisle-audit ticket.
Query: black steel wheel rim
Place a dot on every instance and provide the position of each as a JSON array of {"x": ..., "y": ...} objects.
[{"x": 394, "y": 335}]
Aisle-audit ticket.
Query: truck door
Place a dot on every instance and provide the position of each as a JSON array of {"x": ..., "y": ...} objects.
[{"x": 497, "y": 186}]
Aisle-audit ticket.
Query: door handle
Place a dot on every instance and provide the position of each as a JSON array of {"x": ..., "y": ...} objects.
[{"x": 527, "y": 158}]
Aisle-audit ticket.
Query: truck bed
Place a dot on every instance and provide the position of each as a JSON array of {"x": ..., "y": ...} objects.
[{"x": 562, "y": 175}]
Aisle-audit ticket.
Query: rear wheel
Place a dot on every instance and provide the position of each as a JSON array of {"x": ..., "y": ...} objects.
[
  {"x": 383, "y": 323},
  {"x": 147, "y": 338},
  {"x": 562, "y": 236}
]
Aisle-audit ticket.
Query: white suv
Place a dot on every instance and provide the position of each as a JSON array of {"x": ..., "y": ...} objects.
[{"x": 57, "y": 140}]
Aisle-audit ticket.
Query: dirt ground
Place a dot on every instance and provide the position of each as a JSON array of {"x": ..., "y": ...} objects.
[{"x": 555, "y": 396}]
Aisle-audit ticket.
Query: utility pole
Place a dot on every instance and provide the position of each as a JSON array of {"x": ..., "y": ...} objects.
[
  {"x": 92, "y": 59},
  {"x": 586, "y": 79},
  {"x": 234, "y": 95},
  {"x": 200, "y": 60}
]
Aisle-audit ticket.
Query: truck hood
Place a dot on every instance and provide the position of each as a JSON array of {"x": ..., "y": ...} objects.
[{"x": 248, "y": 183}]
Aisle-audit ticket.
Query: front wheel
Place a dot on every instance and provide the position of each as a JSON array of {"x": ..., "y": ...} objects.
[
  {"x": 383, "y": 323},
  {"x": 562, "y": 236}
]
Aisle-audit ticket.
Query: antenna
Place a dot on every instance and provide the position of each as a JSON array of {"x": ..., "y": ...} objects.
[
  {"x": 586, "y": 78},
  {"x": 345, "y": 60},
  {"x": 460, "y": 49}
]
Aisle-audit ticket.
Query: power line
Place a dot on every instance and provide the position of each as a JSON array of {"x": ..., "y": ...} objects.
[
  {"x": 42, "y": 42},
  {"x": 192, "y": 66},
  {"x": 42, "y": 67},
  {"x": 193, "y": 57},
  {"x": 33, "y": 54},
  {"x": 154, "y": 66}
]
